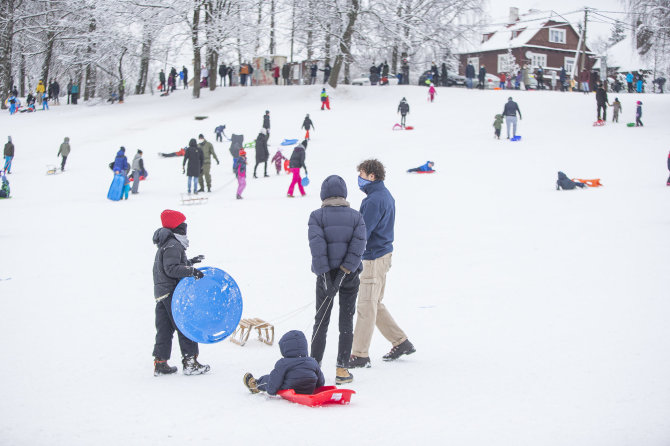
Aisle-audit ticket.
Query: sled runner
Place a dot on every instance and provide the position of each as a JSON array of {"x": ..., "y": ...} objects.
[
  {"x": 589, "y": 183},
  {"x": 192, "y": 199},
  {"x": 322, "y": 396},
  {"x": 599, "y": 123},
  {"x": 289, "y": 142},
  {"x": 242, "y": 332}
]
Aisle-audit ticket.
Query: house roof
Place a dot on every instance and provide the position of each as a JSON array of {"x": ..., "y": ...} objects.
[
  {"x": 517, "y": 34},
  {"x": 625, "y": 57}
]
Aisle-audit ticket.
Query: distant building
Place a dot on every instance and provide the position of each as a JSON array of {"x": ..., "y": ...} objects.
[{"x": 533, "y": 40}]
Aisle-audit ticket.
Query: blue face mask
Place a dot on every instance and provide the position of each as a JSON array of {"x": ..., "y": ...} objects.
[{"x": 362, "y": 182}]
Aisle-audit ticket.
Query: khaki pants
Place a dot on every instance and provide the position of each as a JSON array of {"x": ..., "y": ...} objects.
[
  {"x": 371, "y": 311},
  {"x": 205, "y": 176}
]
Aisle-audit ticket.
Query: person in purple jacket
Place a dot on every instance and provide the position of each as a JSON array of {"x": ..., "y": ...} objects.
[{"x": 296, "y": 370}]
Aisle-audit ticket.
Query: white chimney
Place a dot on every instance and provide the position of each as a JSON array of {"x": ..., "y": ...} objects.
[{"x": 513, "y": 14}]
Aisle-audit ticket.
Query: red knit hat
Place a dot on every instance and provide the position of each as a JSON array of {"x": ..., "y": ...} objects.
[
  {"x": 171, "y": 219},
  {"x": 242, "y": 152}
]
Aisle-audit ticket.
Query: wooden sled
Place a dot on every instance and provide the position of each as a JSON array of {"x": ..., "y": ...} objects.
[
  {"x": 589, "y": 183},
  {"x": 266, "y": 331},
  {"x": 193, "y": 199}
]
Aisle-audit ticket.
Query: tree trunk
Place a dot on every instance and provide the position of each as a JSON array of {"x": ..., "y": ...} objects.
[
  {"x": 22, "y": 75},
  {"x": 141, "y": 86},
  {"x": 196, "y": 49},
  {"x": 257, "y": 45},
  {"x": 272, "y": 27},
  {"x": 122, "y": 85},
  {"x": 327, "y": 43},
  {"x": 292, "y": 29},
  {"x": 344, "y": 55},
  {"x": 89, "y": 92},
  {"x": 310, "y": 30},
  {"x": 6, "y": 41},
  {"x": 47, "y": 57},
  {"x": 212, "y": 55}
]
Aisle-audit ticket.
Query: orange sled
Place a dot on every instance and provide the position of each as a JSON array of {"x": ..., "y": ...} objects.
[{"x": 589, "y": 183}]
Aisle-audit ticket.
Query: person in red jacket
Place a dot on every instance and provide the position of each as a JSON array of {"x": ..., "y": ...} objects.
[{"x": 275, "y": 74}]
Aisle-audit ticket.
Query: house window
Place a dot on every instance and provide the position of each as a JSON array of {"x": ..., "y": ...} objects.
[
  {"x": 556, "y": 35},
  {"x": 505, "y": 63},
  {"x": 538, "y": 60},
  {"x": 569, "y": 63}
]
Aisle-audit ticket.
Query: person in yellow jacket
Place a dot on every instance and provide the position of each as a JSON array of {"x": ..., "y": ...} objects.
[{"x": 40, "y": 89}]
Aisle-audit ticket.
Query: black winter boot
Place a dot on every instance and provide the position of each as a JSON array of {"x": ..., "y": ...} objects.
[
  {"x": 250, "y": 382},
  {"x": 162, "y": 368},
  {"x": 193, "y": 367},
  {"x": 405, "y": 348},
  {"x": 359, "y": 362}
]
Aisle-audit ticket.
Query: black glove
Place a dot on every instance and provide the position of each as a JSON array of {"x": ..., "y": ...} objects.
[
  {"x": 197, "y": 259},
  {"x": 183, "y": 170},
  {"x": 337, "y": 282},
  {"x": 197, "y": 274},
  {"x": 217, "y": 162}
]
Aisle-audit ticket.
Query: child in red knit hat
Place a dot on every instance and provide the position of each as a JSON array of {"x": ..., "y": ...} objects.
[
  {"x": 241, "y": 173},
  {"x": 170, "y": 266}
]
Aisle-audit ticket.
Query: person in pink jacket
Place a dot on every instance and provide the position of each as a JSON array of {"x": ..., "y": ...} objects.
[
  {"x": 241, "y": 173},
  {"x": 432, "y": 92}
]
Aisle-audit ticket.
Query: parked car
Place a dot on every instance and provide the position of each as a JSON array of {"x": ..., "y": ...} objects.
[
  {"x": 364, "y": 79},
  {"x": 452, "y": 79}
]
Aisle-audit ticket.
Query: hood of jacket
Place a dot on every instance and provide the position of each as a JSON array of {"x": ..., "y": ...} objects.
[
  {"x": 162, "y": 235},
  {"x": 293, "y": 345},
  {"x": 562, "y": 176},
  {"x": 120, "y": 153},
  {"x": 67, "y": 139},
  {"x": 333, "y": 186}
]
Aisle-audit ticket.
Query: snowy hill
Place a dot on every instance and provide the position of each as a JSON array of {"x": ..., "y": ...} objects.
[{"x": 539, "y": 317}]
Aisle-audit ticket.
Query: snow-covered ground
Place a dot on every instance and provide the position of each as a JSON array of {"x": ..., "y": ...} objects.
[{"x": 539, "y": 317}]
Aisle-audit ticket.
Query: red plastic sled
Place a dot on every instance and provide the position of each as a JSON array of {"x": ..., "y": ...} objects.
[
  {"x": 424, "y": 171},
  {"x": 286, "y": 164},
  {"x": 399, "y": 127},
  {"x": 599, "y": 123},
  {"x": 322, "y": 395}
]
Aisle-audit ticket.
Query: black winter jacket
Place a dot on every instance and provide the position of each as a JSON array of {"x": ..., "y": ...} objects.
[
  {"x": 296, "y": 370},
  {"x": 262, "y": 153},
  {"x": 601, "y": 96},
  {"x": 170, "y": 264},
  {"x": 307, "y": 124},
  {"x": 195, "y": 160},
  {"x": 403, "y": 107},
  {"x": 336, "y": 233},
  {"x": 298, "y": 158},
  {"x": 9, "y": 149},
  {"x": 266, "y": 122},
  {"x": 511, "y": 109},
  {"x": 470, "y": 71}
]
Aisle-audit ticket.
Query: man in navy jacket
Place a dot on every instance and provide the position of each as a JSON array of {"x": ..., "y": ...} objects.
[
  {"x": 378, "y": 210},
  {"x": 337, "y": 241}
]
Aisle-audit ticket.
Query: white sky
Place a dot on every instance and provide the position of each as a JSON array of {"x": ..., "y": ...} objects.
[{"x": 499, "y": 12}]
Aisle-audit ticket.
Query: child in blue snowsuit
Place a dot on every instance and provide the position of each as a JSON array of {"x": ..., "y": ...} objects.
[
  {"x": 296, "y": 370},
  {"x": 428, "y": 167},
  {"x": 45, "y": 103}
]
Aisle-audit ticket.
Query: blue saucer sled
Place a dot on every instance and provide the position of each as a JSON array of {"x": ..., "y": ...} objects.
[
  {"x": 305, "y": 182},
  {"x": 515, "y": 138},
  {"x": 207, "y": 310}
]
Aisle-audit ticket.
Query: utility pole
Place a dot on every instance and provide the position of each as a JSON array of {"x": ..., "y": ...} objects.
[{"x": 586, "y": 21}]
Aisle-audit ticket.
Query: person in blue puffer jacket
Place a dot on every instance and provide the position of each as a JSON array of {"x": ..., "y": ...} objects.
[
  {"x": 296, "y": 370},
  {"x": 121, "y": 166},
  {"x": 337, "y": 240}
]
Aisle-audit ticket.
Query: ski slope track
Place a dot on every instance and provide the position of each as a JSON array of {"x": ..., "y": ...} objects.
[{"x": 539, "y": 317}]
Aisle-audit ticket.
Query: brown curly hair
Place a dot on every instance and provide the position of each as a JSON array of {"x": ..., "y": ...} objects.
[{"x": 373, "y": 166}]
